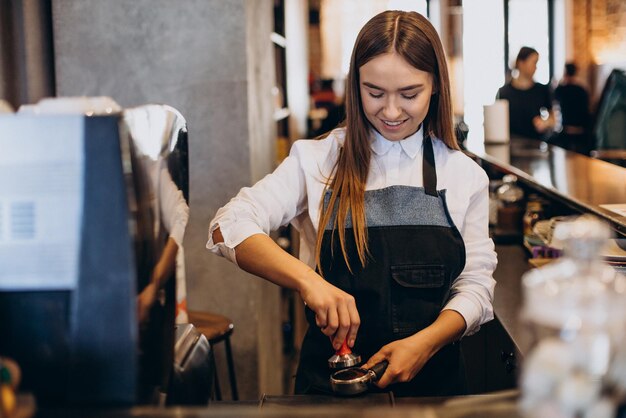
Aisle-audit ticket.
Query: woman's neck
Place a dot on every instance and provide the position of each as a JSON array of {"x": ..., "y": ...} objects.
[{"x": 522, "y": 82}]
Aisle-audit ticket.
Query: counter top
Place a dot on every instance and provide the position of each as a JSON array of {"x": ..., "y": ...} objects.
[
  {"x": 507, "y": 301},
  {"x": 495, "y": 405},
  {"x": 580, "y": 182}
]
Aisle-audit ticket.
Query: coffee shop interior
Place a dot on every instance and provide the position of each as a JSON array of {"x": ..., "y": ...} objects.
[{"x": 125, "y": 125}]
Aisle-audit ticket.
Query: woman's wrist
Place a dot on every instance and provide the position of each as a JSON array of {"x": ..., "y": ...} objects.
[
  {"x": 426, "y": 342},
  {"x": 448, "y": 328},
  {"x": 305, "y": 279}
]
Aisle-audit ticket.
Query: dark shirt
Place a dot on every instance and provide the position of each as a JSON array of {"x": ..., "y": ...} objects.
[
  {"x": 524, "y": 105},
  {"x": 574, "y": 102}
]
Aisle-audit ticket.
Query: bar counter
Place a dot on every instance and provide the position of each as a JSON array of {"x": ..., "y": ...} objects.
[
  {"x": 496, "y": 405},
  {"x": 578, "y": 181}
]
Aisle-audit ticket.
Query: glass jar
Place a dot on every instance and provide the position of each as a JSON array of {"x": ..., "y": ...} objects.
[
  {"x": 575, "y": 313},
  {"x": 534, "y": 213},
  {"x": 510, "y": 197}
]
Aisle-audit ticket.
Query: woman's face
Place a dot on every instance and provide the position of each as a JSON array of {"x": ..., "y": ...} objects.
[
  {"x": 528, "y": 67},
  {"x": 395, "y": 95}
]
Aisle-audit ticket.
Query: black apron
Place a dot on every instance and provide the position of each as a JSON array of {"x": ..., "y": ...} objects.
[{"x": 416, "y": 254}]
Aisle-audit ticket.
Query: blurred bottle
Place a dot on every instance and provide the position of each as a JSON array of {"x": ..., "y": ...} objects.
[
  {"x": 574, "y": 312},
  {"x": 534, "y": 213},
  {"x": 510, "y": 207}
]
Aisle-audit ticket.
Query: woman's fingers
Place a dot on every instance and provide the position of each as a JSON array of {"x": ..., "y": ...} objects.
[
  {"x": 335, "y": 311},
  {"x": 321, "y": 316},
  {"x": 374, "y": 360},
  {"x": 333, "y": 322},
  {"x": 344, "y": 326},
  {"x": 386, "y": 378},
  {"x": 355, "y": 322}
]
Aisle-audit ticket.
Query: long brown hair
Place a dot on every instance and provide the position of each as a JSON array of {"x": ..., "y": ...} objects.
[{"x": 410, "y": 35}]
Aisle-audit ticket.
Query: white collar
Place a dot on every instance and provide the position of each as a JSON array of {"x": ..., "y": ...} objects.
[{"x": 410, "y": 145}]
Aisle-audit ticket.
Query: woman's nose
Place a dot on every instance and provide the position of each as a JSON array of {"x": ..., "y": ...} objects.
[{"x": 391, "y": 111}]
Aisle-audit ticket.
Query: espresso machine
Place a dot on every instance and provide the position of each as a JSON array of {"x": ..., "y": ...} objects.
[{"x": 81, "y": 229}]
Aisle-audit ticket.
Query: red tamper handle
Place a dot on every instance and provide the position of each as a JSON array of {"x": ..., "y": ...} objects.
[
  {"x": 343, "y": 358},
  {"x": 344, "y": 349}
]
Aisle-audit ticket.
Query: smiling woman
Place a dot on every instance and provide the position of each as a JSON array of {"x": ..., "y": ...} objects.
[
  {"x": 395, "y": 95},
  {"x": 402, "y": 257}
]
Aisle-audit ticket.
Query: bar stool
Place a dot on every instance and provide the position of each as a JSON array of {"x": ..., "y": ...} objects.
[{"x": 217, "y": 328}]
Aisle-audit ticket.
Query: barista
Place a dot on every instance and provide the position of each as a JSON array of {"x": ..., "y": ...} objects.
[{"x": 403, "y": 258}]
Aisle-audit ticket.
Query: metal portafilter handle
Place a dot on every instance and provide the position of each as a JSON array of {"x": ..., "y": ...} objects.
[
  {"x": 378, "y": 370},
  {"x": 343, "y": 358}
]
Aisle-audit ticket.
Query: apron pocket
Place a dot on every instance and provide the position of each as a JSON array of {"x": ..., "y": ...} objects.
[{"x": 417, "y": 292}]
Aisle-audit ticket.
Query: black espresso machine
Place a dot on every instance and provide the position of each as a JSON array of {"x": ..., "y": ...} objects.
[{"x": 79, "y": 237}]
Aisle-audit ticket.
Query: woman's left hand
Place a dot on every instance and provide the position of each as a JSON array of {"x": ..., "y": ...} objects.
[{"x": 406, "y": 358}]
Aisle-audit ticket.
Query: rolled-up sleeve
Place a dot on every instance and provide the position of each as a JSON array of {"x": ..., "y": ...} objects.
[
  {"x": 272, "y": 202},
  {"x": 471, "y": 294}
]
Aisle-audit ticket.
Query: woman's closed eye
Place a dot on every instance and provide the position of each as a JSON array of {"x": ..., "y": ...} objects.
[{"x": 404, "y": 96}]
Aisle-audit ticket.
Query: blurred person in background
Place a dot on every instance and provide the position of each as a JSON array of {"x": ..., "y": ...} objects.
[
  {"x": 573, "y": 101},
  {"x": 530, "y": 103}
]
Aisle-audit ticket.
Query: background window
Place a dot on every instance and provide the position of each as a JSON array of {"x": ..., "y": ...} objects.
[
  {"x": 483, "y": 58},
  {"x": 528, "y": 26},
  {"x": 341, "y": 22}
]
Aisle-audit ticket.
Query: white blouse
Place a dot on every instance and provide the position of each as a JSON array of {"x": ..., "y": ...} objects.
[{"x": 292, "y": 194}]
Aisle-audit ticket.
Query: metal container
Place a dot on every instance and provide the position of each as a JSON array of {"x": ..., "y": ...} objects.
[{"x": 356, "y": 380}]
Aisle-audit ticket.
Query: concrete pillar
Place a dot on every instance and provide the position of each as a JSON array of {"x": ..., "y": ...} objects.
[{"x": 212, "y": 60}]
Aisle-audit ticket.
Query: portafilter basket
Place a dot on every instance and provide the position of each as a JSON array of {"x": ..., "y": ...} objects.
[{"x": 356, "y": 380}]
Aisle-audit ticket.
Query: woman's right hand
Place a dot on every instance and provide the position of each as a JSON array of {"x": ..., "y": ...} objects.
[{"x": 335, "y": 310}]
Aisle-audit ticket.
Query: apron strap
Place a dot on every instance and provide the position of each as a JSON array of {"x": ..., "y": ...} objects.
[{"x": 428, "y": 168}]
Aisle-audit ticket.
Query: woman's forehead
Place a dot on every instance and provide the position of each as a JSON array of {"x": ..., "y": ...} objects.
[{"x": 392, "y": 69}]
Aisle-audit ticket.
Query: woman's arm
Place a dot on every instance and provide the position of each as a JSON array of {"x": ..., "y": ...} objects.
[
  {"x": 240, "y": 232},
  {"x": 335, "y": 310}
]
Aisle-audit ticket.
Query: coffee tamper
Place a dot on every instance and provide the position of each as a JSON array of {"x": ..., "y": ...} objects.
[{"x": 343, "y": 358}]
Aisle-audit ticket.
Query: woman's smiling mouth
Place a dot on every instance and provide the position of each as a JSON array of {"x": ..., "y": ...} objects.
[{"x": 393, "y": 124}]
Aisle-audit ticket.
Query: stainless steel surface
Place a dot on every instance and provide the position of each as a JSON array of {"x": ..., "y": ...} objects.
[
  {"x": 343, "y": 361},
  {"x": 155, "y": 133},
  {"x": 155, "y": 129},
  {"x": 356, "y": 380},
  {"x": 343, "y": 384},
  {"x": 186, "y": 336}
]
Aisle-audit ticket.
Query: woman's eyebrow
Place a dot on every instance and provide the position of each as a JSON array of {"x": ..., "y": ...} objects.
[{"x": 374, "y": 86}]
